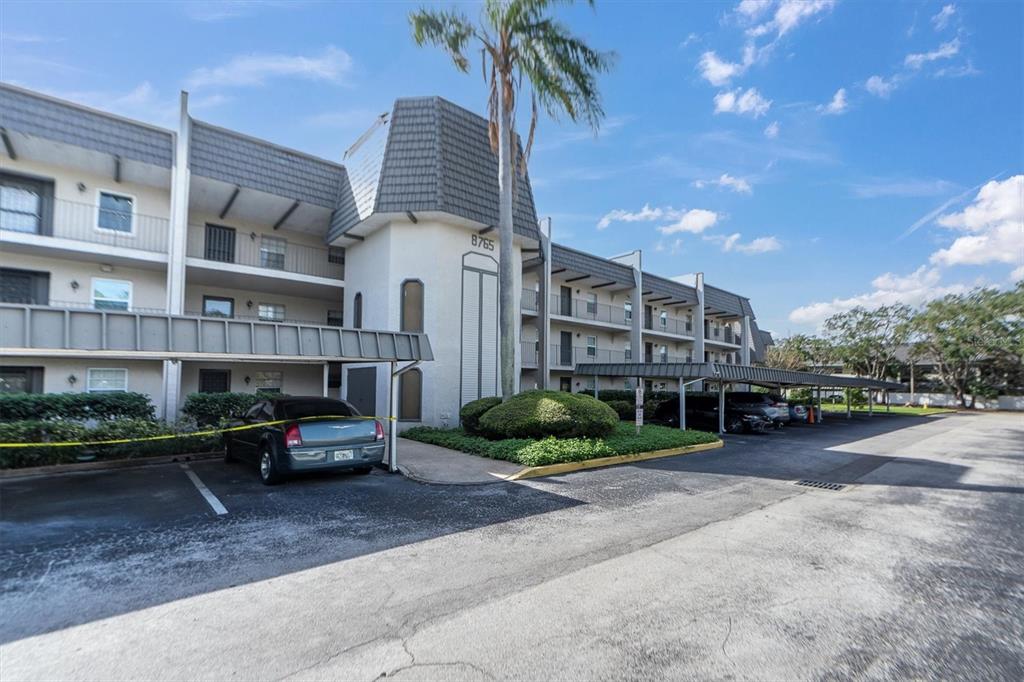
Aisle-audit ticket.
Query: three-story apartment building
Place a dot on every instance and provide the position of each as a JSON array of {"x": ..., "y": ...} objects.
[{"x": 250, "y": 259}]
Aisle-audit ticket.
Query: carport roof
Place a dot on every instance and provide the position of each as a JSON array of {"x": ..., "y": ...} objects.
[{"x": 712, "y": 371}]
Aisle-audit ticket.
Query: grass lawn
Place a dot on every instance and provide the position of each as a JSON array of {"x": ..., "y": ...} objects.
[
  {"x": 895, "y": 409},
  {"x": 623, "y": 441}
]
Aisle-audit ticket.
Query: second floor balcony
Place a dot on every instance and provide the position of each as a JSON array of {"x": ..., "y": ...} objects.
[
  {"x": 723, "y": 335},
  {"x": 29, "y": 219},
  {"x": 590, "y": 311},
  {"x": 666, "y": 324},
  {"x": 269, "y": 253}
]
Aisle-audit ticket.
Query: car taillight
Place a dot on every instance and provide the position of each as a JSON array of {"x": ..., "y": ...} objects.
[
  {"x": 292, "y": 437},
  {"x": 380, "y": 430}
]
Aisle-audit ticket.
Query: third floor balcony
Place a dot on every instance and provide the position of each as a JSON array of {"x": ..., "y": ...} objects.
[
  {"x": 214, "y": 247},
  {"x": 46, "y": 225},
  {"x": 589, "y": 310}
]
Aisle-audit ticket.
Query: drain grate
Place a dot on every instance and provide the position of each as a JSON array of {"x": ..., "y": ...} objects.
[{"x": 820, "y": 485}]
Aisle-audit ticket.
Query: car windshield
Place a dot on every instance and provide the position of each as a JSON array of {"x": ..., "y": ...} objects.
[{"x": 316, "y": 407}]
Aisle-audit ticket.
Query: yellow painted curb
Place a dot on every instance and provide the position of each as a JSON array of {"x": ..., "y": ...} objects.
[{"x": 566, "y": 467}]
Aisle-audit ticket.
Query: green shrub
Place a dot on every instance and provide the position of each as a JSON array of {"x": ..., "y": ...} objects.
[
  {"x": 38, "y": 431},
  {"x": 537, "y": 414},
  {"x": 623, "y": 408},
  {"x": 623, "y": 440},
  {"x": 471, "y": 412},
  {"x": 210, "y": 409},
  {"x": 74, "y": 406}
]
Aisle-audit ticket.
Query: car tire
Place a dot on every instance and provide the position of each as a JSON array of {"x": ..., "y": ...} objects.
[
  {"x": 734, "y": 425},
  {"x": 362, "y": 471},
  {"x": 267, "y": 467}
]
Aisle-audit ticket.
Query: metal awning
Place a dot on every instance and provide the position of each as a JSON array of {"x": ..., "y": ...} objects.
[{"x": 716, "y": 372}]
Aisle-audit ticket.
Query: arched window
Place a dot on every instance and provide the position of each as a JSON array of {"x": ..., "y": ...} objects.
[
  {"x": 410, "y": 395},
  {"x": 412, "y": 306},
  {"x": 357, "y": 311}
]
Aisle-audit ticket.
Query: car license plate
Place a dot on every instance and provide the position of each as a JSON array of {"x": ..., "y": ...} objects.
[{"x": 342, "y": 455}]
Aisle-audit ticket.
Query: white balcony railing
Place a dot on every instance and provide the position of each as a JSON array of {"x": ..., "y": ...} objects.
[
  {"x": 250, "y": 249},
  {"x": 71, "y": 220}
]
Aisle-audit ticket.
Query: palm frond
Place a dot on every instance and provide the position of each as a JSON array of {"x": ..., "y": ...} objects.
[{"x": 448, "y": 30}]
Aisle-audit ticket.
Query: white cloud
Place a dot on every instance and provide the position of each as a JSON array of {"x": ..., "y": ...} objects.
[
  {"x": 772, "y": 130},
  {"x": 880, "y": 87},
  {"x": 755, "y": 246},
  {"x": 348, "y": 118},
  {"x": 941, "y": 20},
  {"x": 995, "y": 223},
  {"x": 838, "y": 104},
  {"x": 695, "y": 220},
  {"x": 901, "y": 187},
  {"x": 957, "y": 71},
  {"x": 229, "y": 9},
  {"x": 943, "y": 51},
  {"x": 789, "y": 14},
  {"x": 918, "y": 287},
  {"x": 726, "y": 181},
  {"x": 691, "y": 38},
  {"x": 718, "y": 71},
  {"x": 1017, "y": 274},
  {"x": 645, "y": 214},
  {"x": 742, "y": 102},
  {"x": 752, "y": 9},
  {"x": 333, "y": 65}
]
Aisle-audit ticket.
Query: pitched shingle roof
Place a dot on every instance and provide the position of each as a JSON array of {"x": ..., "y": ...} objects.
[
  {"x": 38, "y": 115},
  {"x": 587, "y": 263},
  {"x": 232, "y": 157},
  {"x": 437, "y": 157}
]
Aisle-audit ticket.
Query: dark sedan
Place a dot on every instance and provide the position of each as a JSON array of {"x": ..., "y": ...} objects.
[
  {"x": 296, "y": 434},
  {"x": 702, "y": 410}
]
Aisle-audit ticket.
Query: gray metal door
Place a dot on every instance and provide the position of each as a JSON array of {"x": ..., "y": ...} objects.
[
  {"x": 362, "y": 390},
  {"x": 565, "y": 349},
  {"x": 565, "y": 301},
  {"x": 220, "y": 243}
]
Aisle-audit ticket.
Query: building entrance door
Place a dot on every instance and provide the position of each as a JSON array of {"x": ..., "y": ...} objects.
[{"x": 362, "y": 389}]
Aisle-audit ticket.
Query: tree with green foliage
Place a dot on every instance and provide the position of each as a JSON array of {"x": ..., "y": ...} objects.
[
  {"x": 800, "y": 352},
  {"x": 519, "y": 43},
  {"x": 866, "y": 341},
  {"x": 976, "y": 341}
]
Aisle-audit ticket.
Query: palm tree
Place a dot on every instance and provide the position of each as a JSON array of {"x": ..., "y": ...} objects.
[{"x": 518, "y": 42}]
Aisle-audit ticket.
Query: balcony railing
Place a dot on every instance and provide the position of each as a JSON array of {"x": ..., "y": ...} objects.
[
  {"x": 529, "y": 301},
  {"x": 63, "y": 219},
  {"x": 670, "y": 325},
  {"x": 44, "y": 329},
  {"x": 250, "y": 249},
  {"x": 529, "y": 352},
  {"x": 724, "y": 335},
  {"x": 589, "y": 310},
  {"x": 570, "y": 356}
]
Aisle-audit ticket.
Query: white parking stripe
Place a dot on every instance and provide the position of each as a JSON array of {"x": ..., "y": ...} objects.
[{"x": 210, "y": 498}]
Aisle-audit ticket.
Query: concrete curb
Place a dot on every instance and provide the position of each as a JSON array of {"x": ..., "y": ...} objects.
[
  {"x": 82, "y": 467},
  {"x": 429, "y": 481},
  {"x": 567, "y": 467}
]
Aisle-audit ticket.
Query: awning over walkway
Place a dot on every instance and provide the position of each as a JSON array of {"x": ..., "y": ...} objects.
[{"x": 741, "y": 374}]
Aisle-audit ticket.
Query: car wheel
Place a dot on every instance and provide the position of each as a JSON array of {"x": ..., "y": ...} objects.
[
  {"x": 734, "y": 425},
  {"x": 229, "y": 456},
  {"x": 268, "y": 469},
  {"x": 362, "y": 471}
]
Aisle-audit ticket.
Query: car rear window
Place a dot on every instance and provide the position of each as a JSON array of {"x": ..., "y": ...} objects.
[
  {"x": 749, "y": 398},
  {"x": 322, "y": 407}
]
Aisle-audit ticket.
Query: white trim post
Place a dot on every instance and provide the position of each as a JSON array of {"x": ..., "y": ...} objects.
[
  {"x": 682, "y": 405},
  {"x": 849, "y": 410},
  {"x": 544, "y": 308},
  {"x": 721, "y": 406},
  {"x": 327, "y": 373},
  {"x": 393, "y": 421},
  {"x": 871, "y": 403}
]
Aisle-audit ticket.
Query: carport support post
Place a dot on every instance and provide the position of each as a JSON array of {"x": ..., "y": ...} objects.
[
  {"x": 721, "y": 407},
  {"x": 820, "y": 416},
  {"x": 849, "y": 412},
  {"x": 682, "y": 405},
  {"x": 871, "y": 403},
  {"x": 393, "y": 422},
  {"x": 885, "y": 393}
]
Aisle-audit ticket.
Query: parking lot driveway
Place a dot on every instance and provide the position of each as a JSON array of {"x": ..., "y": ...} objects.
[{"x": 713, "y": 565}]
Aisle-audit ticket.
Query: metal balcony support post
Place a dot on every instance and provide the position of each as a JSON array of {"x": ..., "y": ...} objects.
[
  {"x": 721, "y": 407},
  {"x": 849, "y": 410},
  {"x": 393, "y": 413},
  {"x": 544, "y": 308},
  {"x": 871, "y": 403}
]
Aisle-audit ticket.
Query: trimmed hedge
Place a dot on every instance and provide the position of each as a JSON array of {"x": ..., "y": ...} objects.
[
  {"x": 623, "y": 440},
  {"x": 537, "y": 414},
  {"x": 208, "y": 409},
  {"x": 42, "y": 432},
  {"x": 623, "y": 408},
  {"x": 471, "y": 412},
  {"x": 74, "y": 406}
]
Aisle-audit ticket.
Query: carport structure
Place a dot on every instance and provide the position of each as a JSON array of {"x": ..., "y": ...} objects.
[{"x": 687, "y": 373}]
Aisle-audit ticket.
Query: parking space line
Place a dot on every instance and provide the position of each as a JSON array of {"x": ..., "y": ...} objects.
[{"x": 210, "y": 498}]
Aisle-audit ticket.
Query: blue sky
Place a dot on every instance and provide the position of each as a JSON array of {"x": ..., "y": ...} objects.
[{"x": 813, "y": 155}]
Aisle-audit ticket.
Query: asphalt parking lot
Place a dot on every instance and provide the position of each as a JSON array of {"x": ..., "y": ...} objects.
[{"x": 711, "y": 565}]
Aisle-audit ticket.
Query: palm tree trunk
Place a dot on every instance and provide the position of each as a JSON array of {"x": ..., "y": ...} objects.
[{"x": 506, "y": 273}]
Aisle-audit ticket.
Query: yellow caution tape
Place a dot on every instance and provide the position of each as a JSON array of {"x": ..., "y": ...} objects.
[{"x": 193, "y": 434}]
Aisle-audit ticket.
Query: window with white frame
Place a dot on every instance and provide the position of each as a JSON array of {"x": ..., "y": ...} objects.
[
  {"x": 629, "y": 351},
  {"x": 663, "y": 353},
  {"x": 268, "y": 381},
  {"x": 591, "y": 346},
  {"x": 591, "y": 304},
  {"x": 111, "y": 294},
  {"x": 629, "y": 311},
  {"x": 116, "y": 212},
  {"x": 272, "y": 251},
  {"x": 663, "y": 319},
  {"x": 103, "y": 380},
  {"x": 273, "y": 312},
  {"x": 590, "y": 383}
]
